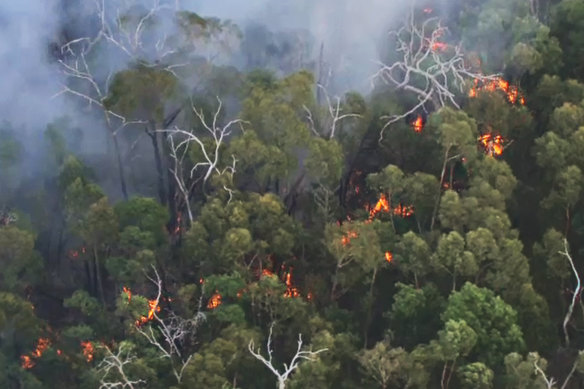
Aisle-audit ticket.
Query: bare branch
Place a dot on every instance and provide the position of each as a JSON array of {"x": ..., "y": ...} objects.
[
  {"x": 577, "y": 291},
  {"x": 550, "y": 382},
  {"x": 436, "y": 67},
  {"x": 180, "y": 140},
  {"x": 300, "y": 355},
  {"x": 334, "y": 111},
  {"x": 174, "y": 331},
  {"x": 112, "y": 367}
]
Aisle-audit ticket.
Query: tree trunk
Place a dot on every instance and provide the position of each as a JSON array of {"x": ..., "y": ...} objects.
[
  {"x": 437, "y": 204},
  {"x": 158, "y": 159},
  {"x": 98, "y": 277}
]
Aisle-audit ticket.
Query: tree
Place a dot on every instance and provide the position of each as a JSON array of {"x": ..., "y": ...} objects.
[
  {"x": 493, "y": 321},
  {"x": 300, "y": 355}
]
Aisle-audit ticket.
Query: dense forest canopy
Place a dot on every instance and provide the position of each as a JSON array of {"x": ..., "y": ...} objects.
[{"x": 190, "y": 200}]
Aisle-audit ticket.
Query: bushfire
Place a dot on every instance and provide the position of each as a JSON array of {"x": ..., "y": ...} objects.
[
  {"x": 291, "y": 290},
  {"x": 388, "y": 256},
  {"x": 88, "y": 350},
  {"x": 28, "y": 361},
  {"x": 511, "y": 91},
  {"x": 383, "y": 205},
  {"x": 418, "y": 124},
  {"x": 152, "y": 308},
  {"x": 214, "y": 301},
  {"x": 493, "y": 144}
]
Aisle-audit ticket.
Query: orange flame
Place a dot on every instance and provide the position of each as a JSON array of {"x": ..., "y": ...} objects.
[
  {"x": 439, "y": 46},
  {"x": 128, "y": 292},
  {"x": 88, "y": 350},
  {"x": 383, "y": 205},
  {"x": 152, "y": 308},
  {"x": 511, "y": 91},
  {"x": 418, "y": 124},
  {"x": 28, "y": 360},
  {"x": 291, "y": 290},
  {"x": 493, "y": 144},
  {"x": 214, "y": 301},
  {"x": 345, "y": 240},
  {"x": 178, "y": 226},
  {"x": 388, "y": 256}
]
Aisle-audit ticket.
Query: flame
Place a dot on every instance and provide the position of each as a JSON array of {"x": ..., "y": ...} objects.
[
  {"x": 28, "y": 360},
  {"x": 418, "y": 124},
  {"x": 383, "y": 205},
  {"x": 128, "y": 292},
  {"x": 403, "y": 211},
  {"x": 493, "y": 144},
  {"x": 309, "y": 296},
  {"x": 291, "y": 290},
  {"x": 388, "y": 256},
  {"x": 267, "y": 272},
  {"x": 439, "y": 46},
  {"x": 511, "y": 91},
  {"x": 87, "y": 350},
  {"x": 153, "y": 307},
  {"x": 428, "y": 10},
  {"x": 214, "y": 301},
  {"x": 345, "y": 240}
]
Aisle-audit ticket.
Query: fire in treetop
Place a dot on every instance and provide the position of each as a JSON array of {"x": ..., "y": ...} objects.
[
  {"x": 214, "y": 301},
  {"x": 388, "y": 256},
  {"x": 511, "y": 91},
  {"x": 88, "y": 350},
  {"x": 493, "y": 144},
  {"x": 27, "y": 361},
  {"x": 291, "y": 290},
  {"x": 418, "y": 124},
  {"x": 383, "y": 205},
  {"x": 152, "y": 308}
]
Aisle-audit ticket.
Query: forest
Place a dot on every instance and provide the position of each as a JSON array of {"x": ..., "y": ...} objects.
[{"x": 203, "y": 202}]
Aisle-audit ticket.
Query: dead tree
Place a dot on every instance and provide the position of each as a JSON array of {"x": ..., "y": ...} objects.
[
  {"x": 300, "y": 355},
  {"x": 429, "y": 69},
  {"x": 575, "y": 295},
  {"x": 171, "y": 333},
  {"x": 181, "y": 140},
  {"x": 113, "y": 368},
  {"x": 81, "y": 79},
  {"x": 328, "y": 124}
]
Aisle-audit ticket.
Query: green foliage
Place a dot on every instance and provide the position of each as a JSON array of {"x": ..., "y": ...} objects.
[
  {"x": 493, "y": 321},
  {"x": 21, "y": 263},
  {"x": 476, "y": 376}
]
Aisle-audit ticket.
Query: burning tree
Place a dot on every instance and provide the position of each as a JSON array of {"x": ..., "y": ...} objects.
[
  {"x": 429, "y": 69},
  {"x": 171, "y": 333}
]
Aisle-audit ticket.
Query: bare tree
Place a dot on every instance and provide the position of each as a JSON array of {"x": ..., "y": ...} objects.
[
  {"x": 549, "y": 382},
  {"x": 81, "y": 74},
  {"x": 575, "y": 295},
  {"x": 300, "y": 355},
  {"x": 113, "y": 366},
  {"x": 171, "y": 333},
  {"x": 180, "y": 140},
  {"x": 429, "y": 69},
  {"x": 329, "y": 124}
]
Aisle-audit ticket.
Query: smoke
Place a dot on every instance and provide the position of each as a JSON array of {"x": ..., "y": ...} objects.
[
  {"x": 350, "y": 31},
  {"x": 28, "y": 78}
]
